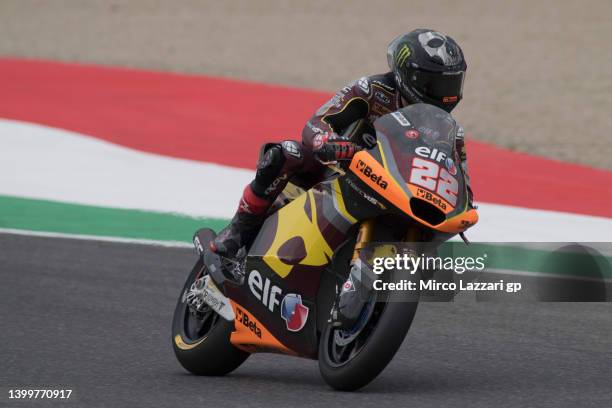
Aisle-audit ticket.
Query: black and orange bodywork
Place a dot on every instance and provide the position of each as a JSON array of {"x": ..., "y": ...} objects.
[{"x": 297, "y": 243}]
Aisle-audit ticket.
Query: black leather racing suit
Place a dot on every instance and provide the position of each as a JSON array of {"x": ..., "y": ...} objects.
[{"x": 367, "y": 98}]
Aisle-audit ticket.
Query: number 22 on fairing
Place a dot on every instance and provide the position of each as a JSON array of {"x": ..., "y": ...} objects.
[{"x": 428, "y": 174}]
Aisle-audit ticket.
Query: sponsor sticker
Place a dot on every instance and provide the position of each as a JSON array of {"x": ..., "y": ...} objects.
[
  {"x": 383, "y": 85},
  {"x": 264, "y": 290},
  {"x": 450, "y": 166},
  {"x": 432, "y": 198},
  {"x": 248, "y": 322},
  {"x": 382, "y": 97},
  {"x": 380, "y": 110},
  {"x": 412, "y": 134},
  {"x": 367, "y": 171},
  {"x": 198, "y": 245},
  {"x": 369, "y": 140},
  {"x": 429, "y": 131},
  {"x": 460, "y": 133},
  {"x": 348, "y": 286},
  {"x": 293, "y": 312},
  {"x": 319, "y": 140},
  {"x": 428, "y": 153},
  {"x": 401, "y": 119},
  {"x": 466, "y": 223},
  {"x": 213, "y": 297},
  {"x": 275, "y": 183},
  {"x": 314, "y": 128},
  {"x": 366, "y": 196}
]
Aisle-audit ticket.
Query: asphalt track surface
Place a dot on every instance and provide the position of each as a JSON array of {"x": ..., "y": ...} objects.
[{"x": 95, "y": 317}]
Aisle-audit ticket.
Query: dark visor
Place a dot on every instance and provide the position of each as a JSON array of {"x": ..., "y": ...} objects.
[{"x": 443, "y": 87}]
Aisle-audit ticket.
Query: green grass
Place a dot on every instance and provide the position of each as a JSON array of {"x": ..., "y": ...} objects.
[{"x": 51, "y": 216}]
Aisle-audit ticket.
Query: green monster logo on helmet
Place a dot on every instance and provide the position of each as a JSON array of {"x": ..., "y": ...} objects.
[{"x": 402, "y": 55}]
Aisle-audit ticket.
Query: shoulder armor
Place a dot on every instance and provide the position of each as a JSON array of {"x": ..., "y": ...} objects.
[
  {"x": 385, "y": 81},
  {"x": 363, "y": 84}
]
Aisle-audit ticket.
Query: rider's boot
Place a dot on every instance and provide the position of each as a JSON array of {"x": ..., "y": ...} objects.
[{"x": 244, "y": 226}]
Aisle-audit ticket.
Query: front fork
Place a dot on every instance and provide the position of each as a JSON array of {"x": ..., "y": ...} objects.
[
  {"x": 366, "y": 230},
  {"x": 350, "y": 300},
  {"x": 357, "y": 289}
]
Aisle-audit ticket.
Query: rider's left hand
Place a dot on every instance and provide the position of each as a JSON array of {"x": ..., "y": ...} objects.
[{"x": 332, "y": 148}]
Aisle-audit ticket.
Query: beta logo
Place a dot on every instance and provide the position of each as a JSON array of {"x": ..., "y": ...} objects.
[
  {"x": 293, "y": 312},
  {"x": 247, "y": 322},
  {"x": 426, "y": 195},
  {"x": 367, "y": 171},
  {"x": 266, "y": 292},
  {"x": 428, "y": 153}
]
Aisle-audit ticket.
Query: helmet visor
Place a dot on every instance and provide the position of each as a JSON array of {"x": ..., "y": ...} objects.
[{"x": 444, "y": 87}]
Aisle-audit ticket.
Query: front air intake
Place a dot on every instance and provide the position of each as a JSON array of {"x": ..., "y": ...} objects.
[{"x": 426, "y": 211}]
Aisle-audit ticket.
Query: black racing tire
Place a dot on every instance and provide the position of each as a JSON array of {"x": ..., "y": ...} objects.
[
  {"x": 209, "y": 353},
  {"x": 386, "y": 334}
]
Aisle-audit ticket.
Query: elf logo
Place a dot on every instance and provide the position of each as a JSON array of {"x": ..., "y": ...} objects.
[
  {"x": 428, "y": 153},
  {"x": 367, "y": 171},
  {"x": 266, "y": 292},
  {"x": 243, "y": 318}
]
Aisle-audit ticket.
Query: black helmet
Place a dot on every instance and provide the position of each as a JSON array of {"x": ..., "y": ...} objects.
[{"x": 428, "y": 67}]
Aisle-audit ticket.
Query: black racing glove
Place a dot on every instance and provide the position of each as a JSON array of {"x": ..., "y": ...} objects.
[{"x": 331, "y": 148}]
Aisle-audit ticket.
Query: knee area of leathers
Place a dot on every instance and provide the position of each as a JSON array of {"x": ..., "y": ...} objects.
[
  {"x": 287, "y": 154},
  {"x": 293, "y": 154},
  {"x": 269, "y": 167},
  {"x": 272, "y": 159}
]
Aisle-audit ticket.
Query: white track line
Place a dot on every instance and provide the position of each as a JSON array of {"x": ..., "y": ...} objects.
[
  {"x": 168, "y": 244},
  {"x": 53, "y": 164}
]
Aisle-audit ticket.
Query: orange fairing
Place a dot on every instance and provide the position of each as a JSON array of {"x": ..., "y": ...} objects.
[
  {"x": 434, "y": 199},
  {"x": 251, "y": 335},
  {"x": 370, "y": 171},
  {"x": 378, "y": 179},
  {"x": 460, "y": 222}
]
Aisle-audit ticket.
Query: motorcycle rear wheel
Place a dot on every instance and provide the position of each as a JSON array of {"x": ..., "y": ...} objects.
[{"x": 201, "y": 343}]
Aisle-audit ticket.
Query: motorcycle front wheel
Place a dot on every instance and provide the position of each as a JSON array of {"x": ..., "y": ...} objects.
[{"x": 350, "y": 360}]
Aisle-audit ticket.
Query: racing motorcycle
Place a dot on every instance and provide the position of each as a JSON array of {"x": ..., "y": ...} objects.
[{"x": 283, "y": 293}]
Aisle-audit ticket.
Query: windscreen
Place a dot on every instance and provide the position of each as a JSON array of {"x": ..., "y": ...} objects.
[{"x": 418, "y": 145}]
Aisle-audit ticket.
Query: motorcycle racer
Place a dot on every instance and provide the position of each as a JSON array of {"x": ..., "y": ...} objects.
[{"x": 425, "y": 66}]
